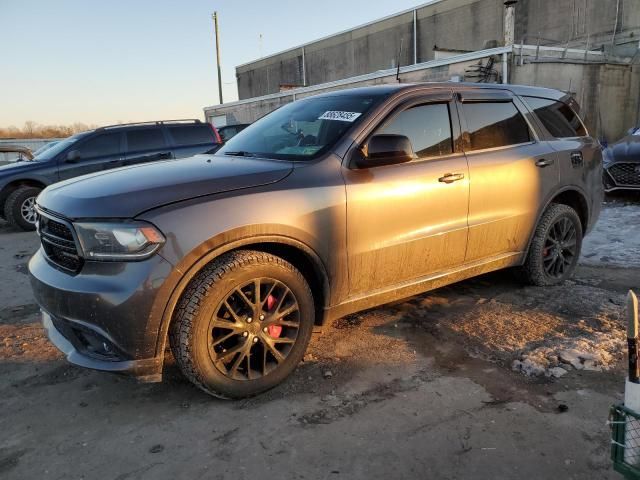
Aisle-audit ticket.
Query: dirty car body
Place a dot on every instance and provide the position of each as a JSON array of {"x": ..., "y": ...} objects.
[{"x": 385, "y": 210}]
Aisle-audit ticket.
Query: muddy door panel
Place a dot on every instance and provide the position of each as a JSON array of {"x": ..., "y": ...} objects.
[
  {"x": 403, "y": 222},
  {"x": 511, "y": 173},
  {"x": 508, "y": 187}
]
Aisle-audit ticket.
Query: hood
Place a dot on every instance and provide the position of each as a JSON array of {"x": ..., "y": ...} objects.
[
  {"x": 129, "y": 191},
  {"x": 19, "y": 167},
  {"x": 625, "y": 150}
]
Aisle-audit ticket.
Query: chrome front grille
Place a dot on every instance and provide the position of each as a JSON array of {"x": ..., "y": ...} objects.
[{"x": 59, "y": 243}]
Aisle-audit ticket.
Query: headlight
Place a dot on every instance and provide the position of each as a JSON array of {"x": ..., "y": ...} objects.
[{"x": 118, "y": 241}]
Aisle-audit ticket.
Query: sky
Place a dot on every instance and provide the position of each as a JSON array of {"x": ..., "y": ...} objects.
[{"x": 111, "y": 61}]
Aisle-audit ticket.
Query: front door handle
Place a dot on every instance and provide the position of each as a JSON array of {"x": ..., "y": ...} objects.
[
  {"x": 451, "y": 177},
  {"x": 544, "y": 162}
]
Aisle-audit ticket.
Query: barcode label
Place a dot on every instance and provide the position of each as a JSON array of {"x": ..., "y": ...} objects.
[{"x": 340, "y": 116}]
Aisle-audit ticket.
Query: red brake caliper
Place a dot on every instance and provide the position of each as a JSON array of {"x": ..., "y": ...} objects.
[{"x": 274, "y": 330}]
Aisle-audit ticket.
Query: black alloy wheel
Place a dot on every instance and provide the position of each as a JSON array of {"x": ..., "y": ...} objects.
[
  {"x": 254, "y": 328},
  {"x": 560, "y": 248}
]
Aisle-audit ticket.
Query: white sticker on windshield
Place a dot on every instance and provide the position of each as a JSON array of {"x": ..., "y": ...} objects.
[{"x": 340, "y": 116}]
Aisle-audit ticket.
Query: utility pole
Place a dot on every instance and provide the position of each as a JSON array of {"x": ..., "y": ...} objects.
[{"x": 215, "y": 25}]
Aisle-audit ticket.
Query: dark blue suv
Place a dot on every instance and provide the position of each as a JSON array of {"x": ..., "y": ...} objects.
[{"x": 94, "y": 151}]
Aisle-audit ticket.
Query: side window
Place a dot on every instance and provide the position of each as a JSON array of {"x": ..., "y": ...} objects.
[
  {"x": 100, "y": 145},
  {"x": 145, "y": 139},
  {"x": 495, "y": 124},
  {"x": 427, "y": 126},
  {"x": 557, "y": 117},
  {"x": 191, "y": 134}
]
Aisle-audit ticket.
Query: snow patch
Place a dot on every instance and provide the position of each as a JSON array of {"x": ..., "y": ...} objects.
[
  {"x": 615, "y": 240},
  {"x": 596, "y": 352}
]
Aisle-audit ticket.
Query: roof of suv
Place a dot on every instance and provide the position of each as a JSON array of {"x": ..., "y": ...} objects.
[
  {"x": 187, "y": 121},
  {"x": 390, "y": 89}
]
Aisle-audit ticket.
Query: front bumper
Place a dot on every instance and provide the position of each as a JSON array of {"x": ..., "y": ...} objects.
[
  {"x": 102, "y": 318},
  {"x": 149, "y": 370}
]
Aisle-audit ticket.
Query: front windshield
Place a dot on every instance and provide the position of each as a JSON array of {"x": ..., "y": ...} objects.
[
  {"x": 46, "y": 146},
  {"x": 301, "y": 130},
  {"x": 49, "y": 153}
]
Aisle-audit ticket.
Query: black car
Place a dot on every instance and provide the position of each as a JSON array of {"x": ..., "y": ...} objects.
[
  {"x": 97, "y": 150},
  {"x": 229, "y": 131},
  {"x": 622, "y": 163}
]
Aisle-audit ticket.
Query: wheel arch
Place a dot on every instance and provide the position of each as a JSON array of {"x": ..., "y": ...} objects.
[
  {"x": 300, "y": 255},
  {"x": 576, "y": 200},
  {"x": 17, "y": 183},
  {"x": 571, "y": 196}
]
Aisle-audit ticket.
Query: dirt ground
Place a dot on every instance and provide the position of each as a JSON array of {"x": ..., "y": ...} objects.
[{"x": 483, "y": 379}]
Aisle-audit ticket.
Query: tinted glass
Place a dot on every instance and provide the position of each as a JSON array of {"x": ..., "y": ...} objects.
[
  {"x": 557, "y": 117},
  {"x": 427, "y": 126},
  {"x": 100, "y": 146},
  {"x": 49, "y": 153},
  {"x": 301, "y": 130},
  {"x": 145, "y": 139},
  {"x": 495, "y": 124},
  {"x": 192, "y": 134}
]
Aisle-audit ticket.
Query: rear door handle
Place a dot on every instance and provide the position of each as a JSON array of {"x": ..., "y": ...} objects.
[
  {"x": 451, "y": 177},
  {"x": 543, "y": 162}
]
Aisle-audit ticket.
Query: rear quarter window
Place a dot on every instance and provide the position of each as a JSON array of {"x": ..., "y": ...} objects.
[
  {"x": 557, "y": 117},
  {"x": 191, "y": 135},
  {"x": 495, "y": 124}
]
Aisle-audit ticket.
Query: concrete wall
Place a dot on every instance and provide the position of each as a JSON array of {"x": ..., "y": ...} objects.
[
  {"x": 451, "y": 24},
  {"x": 607, "y": 92},
  {"x": 458, "y": 25},
  {"x": 248, "y": 111}
]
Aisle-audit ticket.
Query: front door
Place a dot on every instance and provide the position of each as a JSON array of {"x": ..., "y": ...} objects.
[
  {"x": 511, "y": 172},
  {"x": 98, "y": 152},
  {"x": 409, "y": 220}
]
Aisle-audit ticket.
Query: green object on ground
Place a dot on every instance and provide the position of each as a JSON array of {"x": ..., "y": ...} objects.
[{"x": 625, "y": 434}]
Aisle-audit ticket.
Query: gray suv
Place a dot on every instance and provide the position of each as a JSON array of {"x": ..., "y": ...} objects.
[{"x": 327, "y": 206}]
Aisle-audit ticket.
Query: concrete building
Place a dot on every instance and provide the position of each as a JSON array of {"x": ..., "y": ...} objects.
[{"x": 588, "y": 47}]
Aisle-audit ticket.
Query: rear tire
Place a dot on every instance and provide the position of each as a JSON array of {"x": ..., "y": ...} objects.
[
  {"x": 19, "y": 208},
  {"x": 233, "y": 343},
  {"x": 555, "y": 248}
]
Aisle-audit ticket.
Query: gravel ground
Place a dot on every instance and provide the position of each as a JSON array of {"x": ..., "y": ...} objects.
[{"x": 482, "y": 379}]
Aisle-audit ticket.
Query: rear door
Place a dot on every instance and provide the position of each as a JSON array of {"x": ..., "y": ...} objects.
[
  {"x": 101, "y": 151},
  {"x": 511, "y": 172},
  {"x": 188, "y": 140},
  {"x": 146, "y": 144}
]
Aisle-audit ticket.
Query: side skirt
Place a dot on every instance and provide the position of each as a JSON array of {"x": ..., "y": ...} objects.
[{"x": 421, "y": 285}]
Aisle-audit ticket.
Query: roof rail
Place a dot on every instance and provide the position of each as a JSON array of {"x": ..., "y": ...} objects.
[{"x": 152, "y": 122}]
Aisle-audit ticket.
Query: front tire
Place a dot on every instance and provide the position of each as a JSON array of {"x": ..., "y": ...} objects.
[
  {"x": 243, "y": 324},
  {"x": 555, "y": 248},
  {"x": 19, "y": 208}
]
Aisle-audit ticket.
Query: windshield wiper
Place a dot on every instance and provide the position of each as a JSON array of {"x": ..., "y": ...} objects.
[{"x": 240, "y": 153}]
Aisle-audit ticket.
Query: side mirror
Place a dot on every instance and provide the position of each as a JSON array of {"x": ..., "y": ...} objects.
[
  {"x": 73, "y": 156},
  {"x": 386, "y": 150}
]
